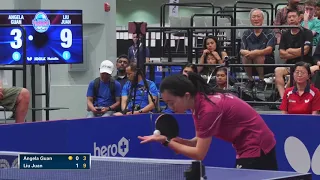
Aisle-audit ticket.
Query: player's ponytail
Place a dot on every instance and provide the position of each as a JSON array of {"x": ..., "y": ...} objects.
[
  {"x": 179, "y": 84},
  {"x": 200, "y": 84}
]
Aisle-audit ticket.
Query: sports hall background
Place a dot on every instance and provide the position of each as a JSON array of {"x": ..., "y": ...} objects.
[{"x": 99, "y": 30}]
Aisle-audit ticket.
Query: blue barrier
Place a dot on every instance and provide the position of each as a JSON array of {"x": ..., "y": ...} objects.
[{"x": 117, "y": 136}]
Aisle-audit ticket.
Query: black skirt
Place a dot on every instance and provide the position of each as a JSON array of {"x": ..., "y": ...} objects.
[{"x": 264, "y": 162}]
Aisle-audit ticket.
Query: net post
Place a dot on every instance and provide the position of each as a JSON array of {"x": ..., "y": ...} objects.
[{"x": 196, "y": 171}]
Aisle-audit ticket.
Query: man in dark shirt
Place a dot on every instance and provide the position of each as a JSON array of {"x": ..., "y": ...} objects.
[
  {"x": 122, "y": 64},
  {"x": 290, "y": 48},
  {"x": 281, "y": 16},
  {"x": 257, "y": 47},
  {"x": 133, "y": 52}
]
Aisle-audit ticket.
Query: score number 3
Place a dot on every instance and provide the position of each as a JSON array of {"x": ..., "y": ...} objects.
[
  {"x": 17, "y": 43},
  {"x": 66, "y": 38},
  {"x": 84, "y": 164}
]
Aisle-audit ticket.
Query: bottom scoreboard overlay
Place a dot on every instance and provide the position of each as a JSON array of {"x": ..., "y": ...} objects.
[{"x": 54, "y": 161}]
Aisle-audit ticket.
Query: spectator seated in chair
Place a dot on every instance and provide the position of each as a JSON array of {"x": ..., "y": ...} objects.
[
  {"x": 211, "y": 52},
  {"x": 185, "y": 70},
  {"x": 122, "y": 64},
  {"x": 310, "y": 22},
  {"x": 257, "y": 46},
  {"x": 15, "y": 99},
  {"x": 103, "y": 95},
  {"x": 290, "y": 49},
  {"x": 302, "y": 98},
  {"x": 221, "y": 78},
  {"x": 143, "y": 102},
  {"x": 189, "y": 68},
  {"x": 281, "y": 16},
  {"x": 208, "y": 72},
  {"x": 222, "y": 81}
]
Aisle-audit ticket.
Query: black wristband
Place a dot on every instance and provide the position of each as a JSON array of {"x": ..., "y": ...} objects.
[
  {"x": 166, "y": 143},
  {"x": 109, "y": 108}
]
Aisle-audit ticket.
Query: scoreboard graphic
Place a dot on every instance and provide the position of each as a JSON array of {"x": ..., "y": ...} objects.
[
  {"x": 54, "y": 161},
  {"x": 52, "y": 36}
]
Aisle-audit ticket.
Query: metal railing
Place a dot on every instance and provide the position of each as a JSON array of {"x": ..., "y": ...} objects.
[
  {"x": 214, "y": 15},
  {"x": 163, "y": 16},
  {"x": 281, "y": 4},
  {"x": 237, "y": 11},
  {"x": 152, "y": 73},
  {"x": 191, "y": 29},
  {"x": 251, "y": 2}
]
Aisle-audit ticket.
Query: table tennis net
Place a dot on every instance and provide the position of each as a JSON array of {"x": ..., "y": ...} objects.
[{"x": 107, "y": 168}]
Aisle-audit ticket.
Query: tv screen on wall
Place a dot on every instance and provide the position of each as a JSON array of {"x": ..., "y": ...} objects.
[{"x": 52, "y": 36}]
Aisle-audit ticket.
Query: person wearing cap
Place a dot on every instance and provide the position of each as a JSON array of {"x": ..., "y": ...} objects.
[{"x": 103, "y": 94}]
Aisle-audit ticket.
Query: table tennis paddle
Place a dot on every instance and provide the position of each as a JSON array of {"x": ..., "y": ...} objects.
[{"x": 167, "y": 125}]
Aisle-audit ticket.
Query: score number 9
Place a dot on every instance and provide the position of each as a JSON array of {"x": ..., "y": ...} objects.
[{"x": 65, "y": 36}]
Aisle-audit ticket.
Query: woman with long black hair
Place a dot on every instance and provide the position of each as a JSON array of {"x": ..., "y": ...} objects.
[
  {"x": 217, "y": 114},
  {"x": 212, "y": 54}
]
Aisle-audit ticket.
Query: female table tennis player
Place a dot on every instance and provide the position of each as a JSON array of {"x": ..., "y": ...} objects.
[{"x": 220, "y": 115}]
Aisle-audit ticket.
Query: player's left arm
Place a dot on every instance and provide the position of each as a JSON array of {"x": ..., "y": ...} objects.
[
  {"x": 198, "y": 152},
  {"x": 188, "y": 142},
  {"x": 206, "y": 123}
]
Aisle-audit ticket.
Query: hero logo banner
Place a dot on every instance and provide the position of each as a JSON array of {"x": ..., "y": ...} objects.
[
  {"x": 41, "y": 22},
  {"x": 299, "y": 158},
  {"x": 121, "y": 148}
]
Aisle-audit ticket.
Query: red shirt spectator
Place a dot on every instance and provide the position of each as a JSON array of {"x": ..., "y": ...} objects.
[{"x": 307, "y": 103}]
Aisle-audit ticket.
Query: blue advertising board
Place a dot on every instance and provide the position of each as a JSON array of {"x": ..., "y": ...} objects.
[{"x": 298, "y": 142}]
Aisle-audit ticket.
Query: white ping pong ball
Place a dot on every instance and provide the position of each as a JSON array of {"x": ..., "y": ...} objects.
[{"x": 156, "y": 132}]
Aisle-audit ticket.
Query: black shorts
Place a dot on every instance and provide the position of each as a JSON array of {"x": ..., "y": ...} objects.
[{"x": 264, "y": 162}]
